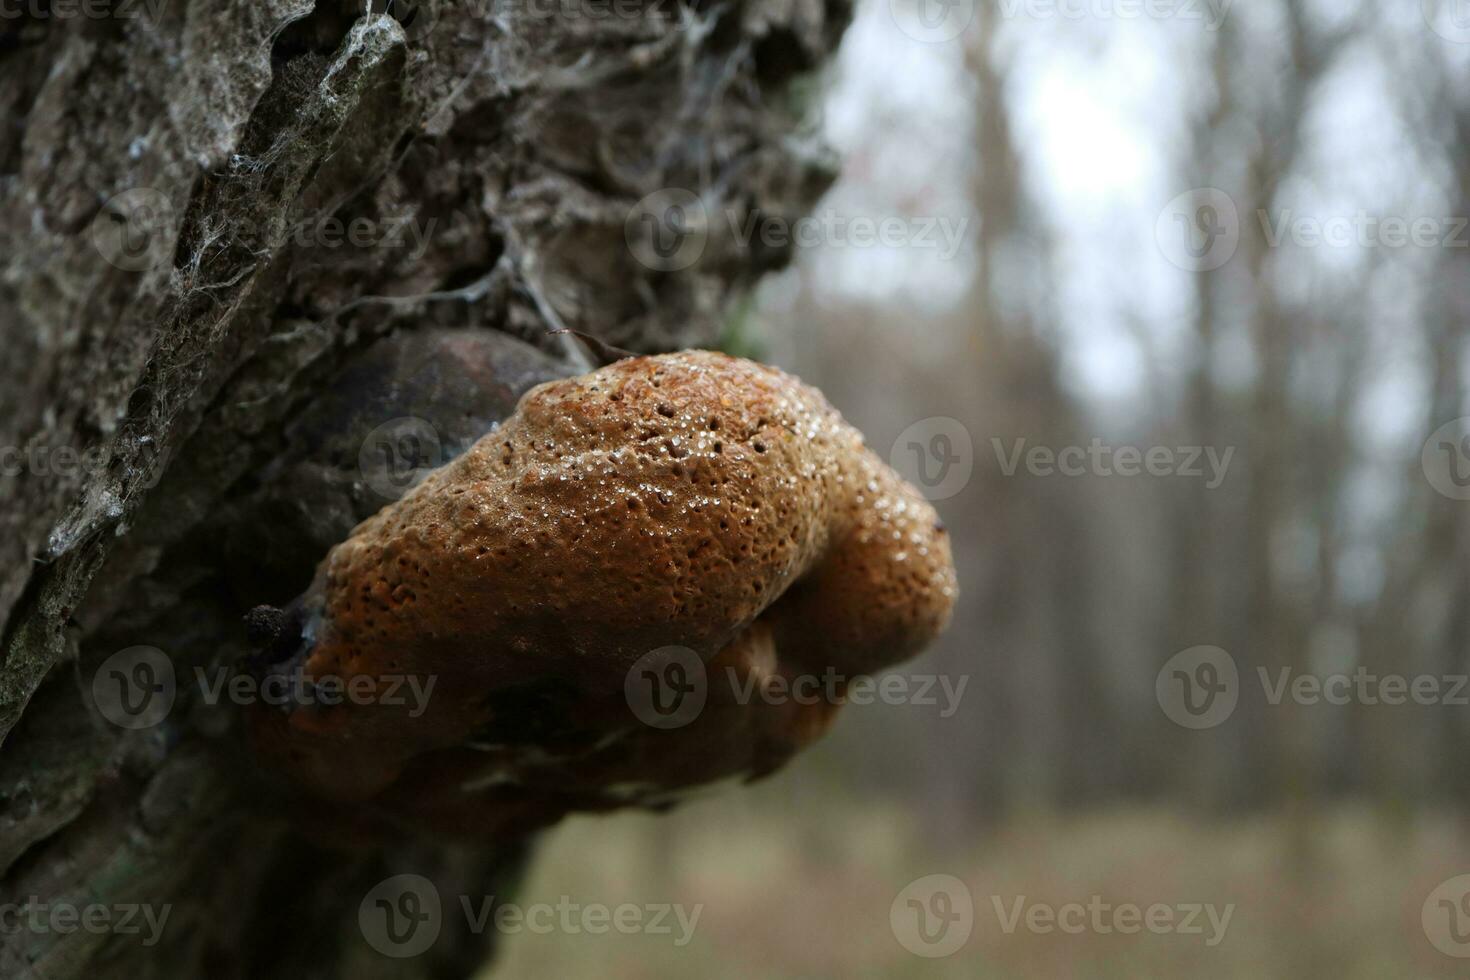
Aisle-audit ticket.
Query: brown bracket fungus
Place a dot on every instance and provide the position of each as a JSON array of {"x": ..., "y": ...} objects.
[{"x": 692, "y": 500}]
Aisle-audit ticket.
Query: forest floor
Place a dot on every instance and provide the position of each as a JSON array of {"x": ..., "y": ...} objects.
[{"x": 787, "y": 883}]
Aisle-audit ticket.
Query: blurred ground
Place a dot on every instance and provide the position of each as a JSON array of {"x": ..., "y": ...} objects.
[{"x": 806, "y": 893}]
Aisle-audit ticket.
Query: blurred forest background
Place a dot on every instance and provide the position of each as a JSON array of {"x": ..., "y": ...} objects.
[{"x": 1060, "y": 133}]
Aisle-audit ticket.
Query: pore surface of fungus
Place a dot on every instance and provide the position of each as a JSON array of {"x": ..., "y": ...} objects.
[{"x": 690, "y": 499}]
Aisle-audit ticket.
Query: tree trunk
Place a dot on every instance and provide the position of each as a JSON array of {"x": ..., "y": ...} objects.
[{"x": 238, "y": 237}]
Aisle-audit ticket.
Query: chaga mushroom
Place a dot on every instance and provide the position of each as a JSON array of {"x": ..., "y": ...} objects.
[{"x": 690, "y": 500}]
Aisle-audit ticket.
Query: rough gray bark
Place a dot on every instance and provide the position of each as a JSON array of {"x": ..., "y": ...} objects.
[{"x": 220, "y": 364}]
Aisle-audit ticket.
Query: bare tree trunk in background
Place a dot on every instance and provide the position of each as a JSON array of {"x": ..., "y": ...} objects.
[
  {"x": 515, "y": 142},
  {"x": 996, "y": 191},
  {"x": 1446, "y": 535}
]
